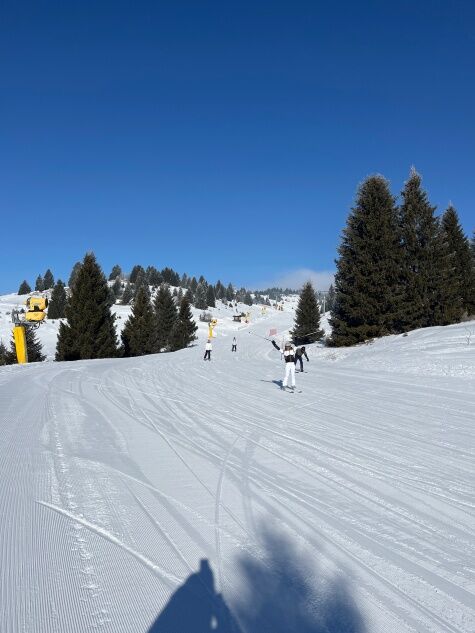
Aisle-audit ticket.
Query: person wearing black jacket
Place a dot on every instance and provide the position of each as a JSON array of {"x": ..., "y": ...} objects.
[
  {"x": 299, "y": 352},
  {"x": 289, "y": 357}
]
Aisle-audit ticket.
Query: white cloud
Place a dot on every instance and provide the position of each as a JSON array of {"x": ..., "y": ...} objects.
[{"x": 321, "y": 279}]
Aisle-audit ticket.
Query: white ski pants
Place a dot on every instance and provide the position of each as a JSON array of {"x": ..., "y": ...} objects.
[{"x": 289, "y": 371}]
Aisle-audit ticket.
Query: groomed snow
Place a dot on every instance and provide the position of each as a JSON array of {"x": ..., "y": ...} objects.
[{"x": 348, "y": 507}]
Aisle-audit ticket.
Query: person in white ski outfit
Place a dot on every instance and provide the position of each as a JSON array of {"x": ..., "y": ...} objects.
[
  {"x": 289, "y": 357},
  {"x": 208, "y": 349}
]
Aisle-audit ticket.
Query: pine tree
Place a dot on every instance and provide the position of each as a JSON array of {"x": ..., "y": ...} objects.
[
  {"x": 90, "y": 330},
  {"x": 24, "y": 288},
  {"x": 4, "y": 354},
  {"x": 330, "y": 300},
  {"x": 368, "y": 294},
  {"x": 461, "y": 295},
  {"x": 141, "y": 282},
  {"x": 184, "y": 329},
  {"x": 140, "y": 335},
  {"x": 58, "y": 301},
  {"x": 200, "y": 297},
  {"x": 39, "y": 284},
  {"x": 115, "y": 272},
  {"x": 74, "y": 275},
  {"x": 219, "y": 290},
  {"x": 230, "y": 292},
  {"x": 193, "y": 285},
  {"x": 179, "y": 296},
  {"x": 153, "y": 276},
  {"x": 166, "y": 315},
  {"x": 135, "y": 272},
  {"x": 127, "y": 295},
  {"x": 247, "y": 299},
  {"x": 48, "y": 280},
  {"x": 425, "y": 268},
  {"x": 34, "y": 349},
  {"x": 307, "y": 318},
  {"x": 210, "y": 298},
  {"x": 117, "y": 288}
]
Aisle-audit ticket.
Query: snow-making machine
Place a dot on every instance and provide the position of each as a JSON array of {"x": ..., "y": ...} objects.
[{"x": 31, "y": 318}]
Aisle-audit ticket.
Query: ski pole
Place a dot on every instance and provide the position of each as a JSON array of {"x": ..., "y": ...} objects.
[{"x": 259, "y": 336}]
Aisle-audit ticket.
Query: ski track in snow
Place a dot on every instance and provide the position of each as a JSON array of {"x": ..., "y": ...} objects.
[{"x": 118, "y": 476}]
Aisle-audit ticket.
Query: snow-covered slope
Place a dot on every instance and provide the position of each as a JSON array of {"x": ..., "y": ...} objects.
[{"x": 345, "y": 508}]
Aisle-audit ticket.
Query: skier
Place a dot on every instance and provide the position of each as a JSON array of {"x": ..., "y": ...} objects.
[
  {"x": 208, "y": 349},
  {"x": 299, "y": 352},
  {"x": 234, "y": 347},
  {"x": 289, "y": 357}
]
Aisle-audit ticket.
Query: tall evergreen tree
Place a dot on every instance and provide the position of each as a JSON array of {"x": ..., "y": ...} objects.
[
  {"x": 229, "y": 292},
  {"x": 117, "y": 288},
  {"x": 135, "y": 272},
  {"x": 58, "y": 301},
  {"x": 48, "y": 279},
  {"x": 184, "y": 329},
  {"x": 153, "y": 276},
  {"x": 115, "y": 272},
  {"x": 140, "y": 335},
  {"x": 24, "y": 288},
  {"x": 193, "y": 285},
  {"x": 34, "y": 349},
  {"x": 166, "y": 315},
  {"x": 74, "y": 275},
  {"x": 200, "y": 297},
  {"x": 461, "y": 295},
  {"x": 4, "y": 354},
  {"x": 127, "y": 295},
  {"x": 39, "y": 284},
  {"x": 307, "y": 318},
  {"x": 425, "y": 267},
  {"x": 368, "y": 294},
  {"x": 90, "y": 330},
  {"x": 219, "y": 290},
  {"x": 210, "y": 298},
  {"x": 141, "y": 282},
  {"x": 247, "y": 298},
  {"x": 330, "y": 301}
]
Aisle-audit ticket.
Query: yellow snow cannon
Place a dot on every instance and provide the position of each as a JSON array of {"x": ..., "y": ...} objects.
[
  {"x": 36, "y": 307},
  {"x": 35, "y": 315}
]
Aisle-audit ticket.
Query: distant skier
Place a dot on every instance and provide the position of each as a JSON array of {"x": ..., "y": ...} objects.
[
  {"x": 234, "y": 347},
  {"x": 299, "y": 352},
  {"x": 208, "y": 349},
  {"x": 289, "y": 357}
]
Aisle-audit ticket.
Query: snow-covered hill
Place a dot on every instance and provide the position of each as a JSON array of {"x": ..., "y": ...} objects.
[{"x": 164, "y": 493}]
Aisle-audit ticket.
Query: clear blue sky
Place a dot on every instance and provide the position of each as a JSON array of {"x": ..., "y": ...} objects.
[{"x": 222, "y": 138}]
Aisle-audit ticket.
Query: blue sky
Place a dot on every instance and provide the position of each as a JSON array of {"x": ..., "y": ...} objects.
[{"x": 223, "y": 139}]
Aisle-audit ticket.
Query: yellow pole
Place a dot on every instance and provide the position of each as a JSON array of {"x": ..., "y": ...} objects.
[{"x": 19, "y": 337}]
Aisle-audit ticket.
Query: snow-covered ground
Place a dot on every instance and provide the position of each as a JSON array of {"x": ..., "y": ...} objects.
[{"x": 348, "y": 507}]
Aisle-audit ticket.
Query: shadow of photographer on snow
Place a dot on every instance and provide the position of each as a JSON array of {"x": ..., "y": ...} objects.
[{"x": 279, "y": 592}]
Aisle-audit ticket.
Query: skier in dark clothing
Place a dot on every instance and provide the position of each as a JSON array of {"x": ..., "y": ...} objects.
[
  {"x": 299, "y": 352},
  {"x": 234, "y": 346}
]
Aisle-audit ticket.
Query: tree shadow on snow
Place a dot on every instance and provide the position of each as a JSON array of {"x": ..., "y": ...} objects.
[
  {"x": 282, "y": 593},
  {"x": 195, "y": 607},
  {"x": 279, "y": 592}
]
